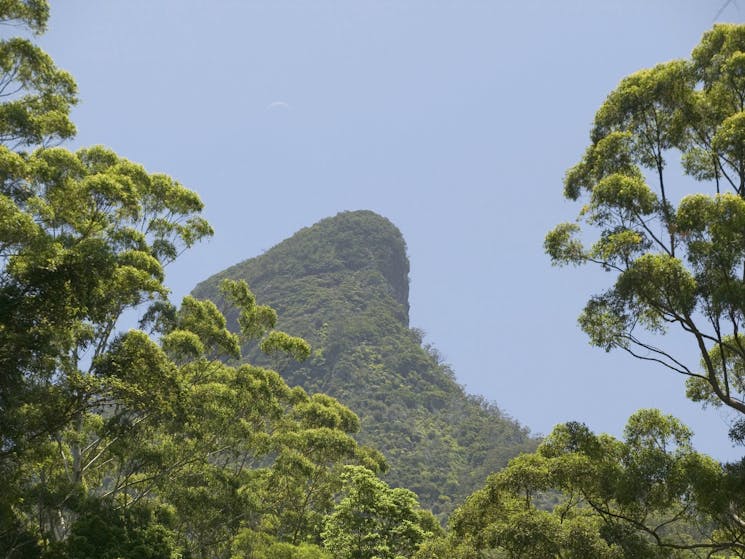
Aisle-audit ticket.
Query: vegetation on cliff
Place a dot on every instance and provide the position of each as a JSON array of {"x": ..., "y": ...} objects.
[{"x": 342, "y": 284}]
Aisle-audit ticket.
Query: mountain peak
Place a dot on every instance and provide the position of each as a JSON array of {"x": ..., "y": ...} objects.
[
  {"x": 357, "y": 240},
  {"x": 352, "y": 241},
  {"x": 343, "y": 285}
]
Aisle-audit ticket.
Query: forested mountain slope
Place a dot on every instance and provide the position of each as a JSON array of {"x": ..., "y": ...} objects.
[{"x": 343, "y": 285}]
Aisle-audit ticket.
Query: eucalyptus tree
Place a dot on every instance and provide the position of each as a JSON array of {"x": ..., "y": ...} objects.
[
  {"x": 35, "y": 96},
  {"x": 374, "y": 521},
  {"x": 678, "y": 260},
  {"x": 84, "y": 239},
  {"x": 588, "y": 496},
  {"x": 35, "y": 102}
]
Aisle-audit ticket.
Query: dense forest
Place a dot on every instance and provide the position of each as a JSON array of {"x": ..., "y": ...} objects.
[
  {"x": 321, "y": 426},
  {"x": 343, "y": 285}
]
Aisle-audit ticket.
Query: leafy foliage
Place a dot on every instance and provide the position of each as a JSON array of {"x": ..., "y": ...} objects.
[
  {"x": 36, "y": 97},
  {"x": 373, "y": 521},
  {"x": 144, "y": 443},
  {"x": 676, "y": 264},
  {"x": 647, "y": 496}
]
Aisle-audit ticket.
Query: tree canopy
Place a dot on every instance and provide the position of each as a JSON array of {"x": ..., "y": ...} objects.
[
  {"x": 155, "y": 441},
  {"x": 678, "y": 259},
  {"x": 582, "y": 495},
  {"x": 678, "y": 262}
]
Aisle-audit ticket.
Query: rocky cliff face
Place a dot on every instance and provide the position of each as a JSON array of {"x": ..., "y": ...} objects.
[{"x": 343, "y": 285}]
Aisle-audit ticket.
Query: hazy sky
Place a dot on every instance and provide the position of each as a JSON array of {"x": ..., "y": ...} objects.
[{"x": 456, "y": 119}]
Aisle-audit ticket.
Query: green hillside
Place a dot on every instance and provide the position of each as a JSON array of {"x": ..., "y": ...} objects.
[{"x": 343, "y": 285}]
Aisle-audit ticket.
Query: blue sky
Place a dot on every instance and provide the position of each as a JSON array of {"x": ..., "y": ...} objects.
[{"x": 456, "y": 119}]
